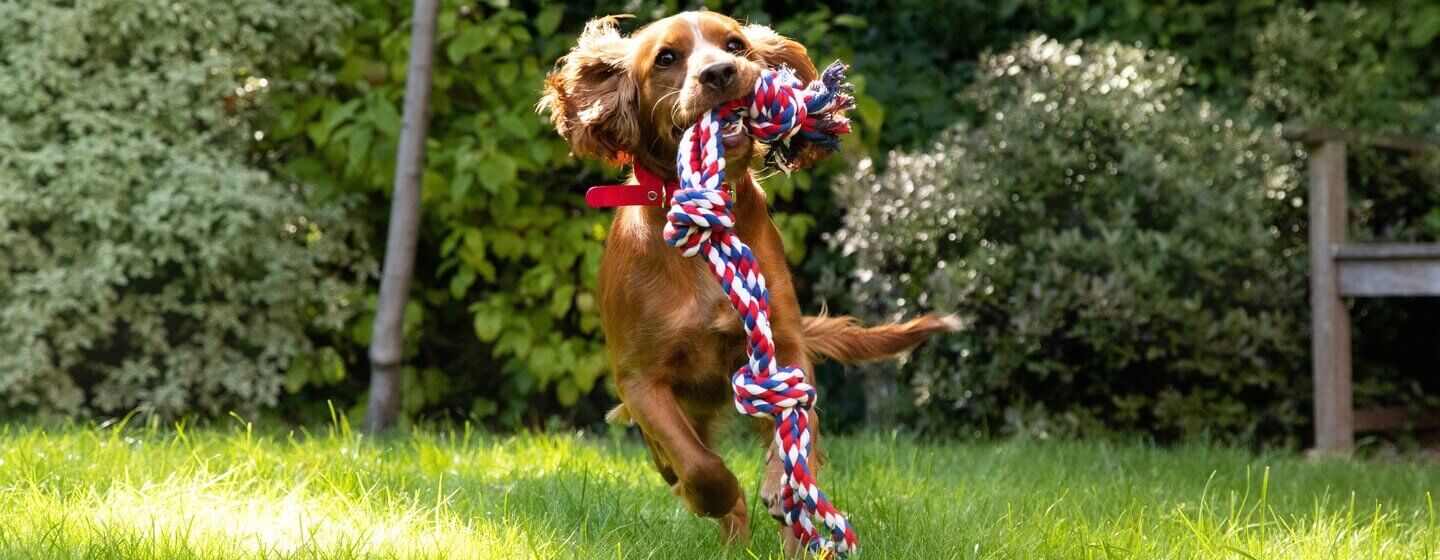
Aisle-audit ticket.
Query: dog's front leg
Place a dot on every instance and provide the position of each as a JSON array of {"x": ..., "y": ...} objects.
[{"x": 705, "y": 485}]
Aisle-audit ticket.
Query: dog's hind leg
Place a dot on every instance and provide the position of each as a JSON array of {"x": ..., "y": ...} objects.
[{"x": 788, "y": 352}]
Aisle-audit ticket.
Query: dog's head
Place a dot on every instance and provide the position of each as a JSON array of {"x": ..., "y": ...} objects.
[{"x": 619, "y": 98}]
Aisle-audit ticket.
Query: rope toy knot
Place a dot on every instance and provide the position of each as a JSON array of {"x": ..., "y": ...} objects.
[
  {"x": 765, "y": 397},
  {"x": 695, "y": 213},
  {"x": 788, "y": 115},
  {"x": 776, "y": 110}
]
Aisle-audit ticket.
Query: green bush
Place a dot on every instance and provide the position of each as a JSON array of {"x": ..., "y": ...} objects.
[
  {"x": 502, "y": 316},
  {"x": 1123, "y": 253},
  {"x": 1346, "y": 65},
  {"x": 145, "y": 261}
]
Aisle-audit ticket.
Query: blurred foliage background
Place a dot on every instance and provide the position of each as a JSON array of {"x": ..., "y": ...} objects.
[
  {"x": 1163, "y": 293},
  {"x": 147, "y": 259}
]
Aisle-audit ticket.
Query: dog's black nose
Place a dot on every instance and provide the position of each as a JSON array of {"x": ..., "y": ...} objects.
[{"x": 718, "y": 75}]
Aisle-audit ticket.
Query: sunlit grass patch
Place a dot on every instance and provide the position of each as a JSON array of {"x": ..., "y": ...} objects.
[{"x": 76, "y": 491}]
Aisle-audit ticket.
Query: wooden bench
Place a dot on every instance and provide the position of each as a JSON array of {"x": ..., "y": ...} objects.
[{"x": 1339, "y": 269}]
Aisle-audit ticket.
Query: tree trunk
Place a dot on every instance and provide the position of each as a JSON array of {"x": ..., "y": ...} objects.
[{"x": 387, "y": 345}]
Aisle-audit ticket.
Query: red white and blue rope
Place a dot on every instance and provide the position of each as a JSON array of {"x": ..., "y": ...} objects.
[{"x": 787, "y": 114}]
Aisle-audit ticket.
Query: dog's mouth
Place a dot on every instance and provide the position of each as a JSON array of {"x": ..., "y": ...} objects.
[{"x": 732, "y": 136}]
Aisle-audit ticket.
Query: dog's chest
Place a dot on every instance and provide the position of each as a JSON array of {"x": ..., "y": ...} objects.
[{"x": 661, "y": 308}]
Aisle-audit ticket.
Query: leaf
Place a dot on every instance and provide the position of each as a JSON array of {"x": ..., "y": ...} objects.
[
  {"x": 363, "y": 327},
  {"x": 487, "y": 271},
  {"x": 515, "y": 125},
  {"x": 537, "y": 281},
  {"x": 513, "y": 342},
  {"x": 336, "y": 115},
  {"x": 871, "y": 113},
  {"x": 297, "y": 376},
  {"x": 506, "y": 73},
  {"x": 468, "y": 42},
  {"x": 506, "y": 244},
  {"x": 561, "y": 299},
  {"x": 588, "y": 369},
  {"x": 483, "y": 408},
  {"x": 793, "y": 228},
  {"x": 385, "y": 117},
  {"x": 432, "y": 185},
  {"x": 504, "y": 203},
  {"x": 1424, "y": 26},
  {"x": 460, "y": 283},
  {"x": 488, "y": 323},
  {"x": 520, "y": 33},
  {"x": 318, "y": 133},
  {"x": 414, "y": 316},
  {"x": 451, "y": 240},
  {"x": 358, "y": 151},
  {"x": 567, "y": 393},
  {"x": 504, "y": 43},
  {"x": 495, "y": 170},
  {"x": 548, "y": 20},
  {"x": 472, "y": 250},
  {"x": 332, "y": 366},
  {"x": 460, "y": 187}
]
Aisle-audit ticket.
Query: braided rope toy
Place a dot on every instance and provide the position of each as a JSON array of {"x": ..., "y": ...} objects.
[{"x": 699, "y": 221}]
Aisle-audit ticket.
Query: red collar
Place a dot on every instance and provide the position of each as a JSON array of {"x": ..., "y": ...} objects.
[{"x": 652, "y": 191}]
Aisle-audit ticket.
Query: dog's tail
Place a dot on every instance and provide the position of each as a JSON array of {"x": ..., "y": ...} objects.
[{"x": 845, "y": 340}]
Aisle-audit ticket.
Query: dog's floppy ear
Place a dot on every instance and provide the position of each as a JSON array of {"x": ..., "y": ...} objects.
[
  {"x": 592, "y": 94},
  {"x": 776, "y": 50}
]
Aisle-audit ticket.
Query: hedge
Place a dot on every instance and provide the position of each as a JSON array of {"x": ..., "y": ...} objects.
[{"x": 148, "y": 261}]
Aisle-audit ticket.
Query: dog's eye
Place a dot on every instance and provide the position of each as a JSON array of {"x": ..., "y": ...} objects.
[
  {"x": 735, "y": 45},
  {"x": 665, "y": 58}
]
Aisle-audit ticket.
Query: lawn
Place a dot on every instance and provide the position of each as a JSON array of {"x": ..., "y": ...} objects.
[{"x": 233, "y": 491}]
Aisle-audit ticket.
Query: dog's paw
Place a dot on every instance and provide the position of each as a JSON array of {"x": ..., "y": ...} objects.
[
  {"x": 770, "y": 498},
  {"x": 709, "y": 491},
  {"x": 735, "y": 526}
]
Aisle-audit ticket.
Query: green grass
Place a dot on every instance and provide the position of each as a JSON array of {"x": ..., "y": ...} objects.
[{"x": 233, "y": 492}]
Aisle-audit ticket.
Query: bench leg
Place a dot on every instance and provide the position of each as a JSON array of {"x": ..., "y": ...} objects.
[
  {"x": 1330, "y": 336},
  {"x": 1334, "y": 404}
]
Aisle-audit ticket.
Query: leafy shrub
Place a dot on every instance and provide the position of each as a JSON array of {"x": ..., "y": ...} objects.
[
  {"x": 1346, "y": 65},
  {"x": 508, "y": 252},
  {"x": 1122, "y": 252},
  {"x": 146, "y": 262}
]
